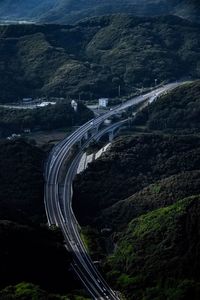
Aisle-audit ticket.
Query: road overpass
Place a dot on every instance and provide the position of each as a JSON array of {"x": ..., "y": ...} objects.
[{"x": 58, "y": 193}]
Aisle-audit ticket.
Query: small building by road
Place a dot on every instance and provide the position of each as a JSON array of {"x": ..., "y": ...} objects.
[
  {"x": 103, "y": 102},
  {"x": 27, "y": 101},
  {"x": 74, "y": 105}
]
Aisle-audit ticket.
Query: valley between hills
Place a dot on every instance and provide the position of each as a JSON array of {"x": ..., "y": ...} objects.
[{"x": 138, "y": 204}]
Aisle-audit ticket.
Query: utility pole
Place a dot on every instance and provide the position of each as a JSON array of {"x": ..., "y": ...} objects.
[{"x": 119, "y": 91}]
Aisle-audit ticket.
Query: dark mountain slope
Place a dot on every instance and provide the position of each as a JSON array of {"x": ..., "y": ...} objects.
[
  {"x": 160, "y": 194},
  {"x": 69, "y": 11},
  {"x": 21, "y": 182},
  {"x": 94, "y": 57},
  {"x": 33, "y": 254},
  {"x": 21, "y": 9},
  {"x": 30, "y": 251},
  {"x": 27, "y": 291}
]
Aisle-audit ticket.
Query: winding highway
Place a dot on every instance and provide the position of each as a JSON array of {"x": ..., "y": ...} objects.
[{"x": 58, "y": 192}]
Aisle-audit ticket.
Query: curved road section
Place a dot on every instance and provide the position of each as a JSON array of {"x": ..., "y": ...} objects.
[{"x": 58, "y": 193}]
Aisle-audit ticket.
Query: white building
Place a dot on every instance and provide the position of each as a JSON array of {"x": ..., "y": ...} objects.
[
  {"x": 103, "y": 102},
  {"x": 74, "y": 104}
]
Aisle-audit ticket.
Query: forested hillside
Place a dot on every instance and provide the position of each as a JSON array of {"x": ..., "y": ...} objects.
[
  {"x": 30, "y": 253},
  {"x": 178, "y": 111},
  {"x": 91, "y": 59},
  {"x": 61, "y": 115},
  {"x": 162, "y": 193},
  {"x": 21, "y": 173},
  {"x": 130, "y": 165},
  {"x": 157, "y": 256},
  {"x": 139, "y": 203}
]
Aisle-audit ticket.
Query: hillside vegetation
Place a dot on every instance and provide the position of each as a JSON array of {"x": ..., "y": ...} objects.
[
  {"x": 139, "y": 205},
  {"x": 61, "y": 115},
  {"x": 178, "y": 111},
  {"x": 27, "y": 291},
  {"x": 160, "y": 194},
  {"x": 157, "y": 256},
  {"x": 33, "y": 254},
  {"x": 131, "y": 164},
  {"x": 21, "y": 182},
  {"x": 92, "y": 58}
]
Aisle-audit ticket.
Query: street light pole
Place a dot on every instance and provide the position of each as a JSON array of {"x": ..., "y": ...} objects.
[{"x": 119, "y": 91}]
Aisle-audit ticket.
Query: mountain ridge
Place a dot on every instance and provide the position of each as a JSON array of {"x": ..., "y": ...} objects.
[{"x": 69, "y": 11}]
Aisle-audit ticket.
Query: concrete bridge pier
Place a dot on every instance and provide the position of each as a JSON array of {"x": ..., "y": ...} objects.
[{"x": 94, "y": 130}]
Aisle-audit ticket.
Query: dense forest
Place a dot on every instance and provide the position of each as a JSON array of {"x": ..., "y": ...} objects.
[
  {"x": 21, "y": 172},
  {"x": 178, "y": 111},
  {"x": 157, "y": 195},
  {"x": 157, "y": 256},
  {"x": 61, "y": 115},
  {"x": 27, "y": 291},
  {"x": 95, "y": 56}
]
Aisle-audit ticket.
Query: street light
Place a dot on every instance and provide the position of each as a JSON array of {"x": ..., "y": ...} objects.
[{"x": 119, "y": 91}]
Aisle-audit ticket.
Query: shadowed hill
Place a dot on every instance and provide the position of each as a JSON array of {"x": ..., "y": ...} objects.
[
  {"x": 148, "y": 244},
  {"x": 30, "y": 251},
  {"x": 70, "y": 11},
  {"x": 151, "y": 239},
  {"x": 21, "y": 174}
]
